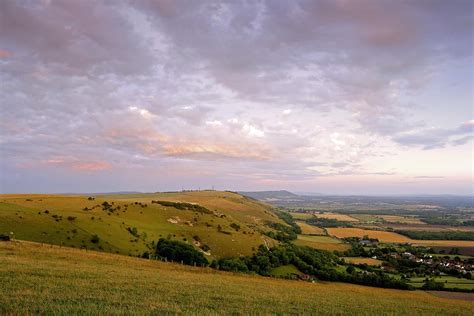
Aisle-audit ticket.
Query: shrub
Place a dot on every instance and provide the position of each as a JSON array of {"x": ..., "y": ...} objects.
[
  {"x": 179, "y": 252},
  {"x": 95, "y": 239},
  {"x": 432, "y": 285},
  {"x": 235, "y": 226}
]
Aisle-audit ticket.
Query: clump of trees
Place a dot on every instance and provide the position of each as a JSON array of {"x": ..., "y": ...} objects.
[
  {"x": 440, "y": 235},
  {"x": 327, "y": 222},
  {"x": 284, "y": 233},
  {"x": 235, "y": 226},
  {"x": 133, "y": 231},
  {"x": 318, "y": 264},
  {"x": 95, "y": 239},
  {"x": 178, "y": 251},
  {"x": 184, "y": 206},
  {"x": 432, "y": 285}
]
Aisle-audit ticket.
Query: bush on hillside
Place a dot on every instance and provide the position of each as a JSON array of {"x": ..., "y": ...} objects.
[{"x": 179, "y": 252}]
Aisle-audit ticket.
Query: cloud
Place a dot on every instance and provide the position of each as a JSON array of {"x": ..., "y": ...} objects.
[
  {"x": 74, "y": 38},
  {"x": 74, "y": 163},
  {"x": 437, "y": 137},
  {"x": 245, "y": 90},
  {"x": 202, "y": 150}
]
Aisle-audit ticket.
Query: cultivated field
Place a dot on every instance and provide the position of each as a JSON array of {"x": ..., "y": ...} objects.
[
  {"x": 45, "y": 280},
  {"x": 321, "y": 242},
  {"x": 390, "y": 237},
  {"x": 339, "y": 217},
  {"x": 382, "y": 236},
  {"x": 426, "y": 227},
  {"x": 401, "y": 219},
  {"x": 449, "y": 282},
  {"x": 301, "y": 216},
  {"x": 307, "y": 229},
  {"x": 363, "y": 260}
]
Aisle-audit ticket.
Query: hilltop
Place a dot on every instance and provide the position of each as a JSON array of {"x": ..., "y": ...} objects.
[
  {"x": 219, "y": 223},
  {"x": 44, "y": 279}
]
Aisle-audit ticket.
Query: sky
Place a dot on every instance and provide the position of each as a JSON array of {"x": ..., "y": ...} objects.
[{"x": 341, "y": 97}]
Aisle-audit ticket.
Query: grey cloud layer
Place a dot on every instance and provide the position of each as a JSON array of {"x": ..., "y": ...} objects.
[{"x": 93, "y": 85}]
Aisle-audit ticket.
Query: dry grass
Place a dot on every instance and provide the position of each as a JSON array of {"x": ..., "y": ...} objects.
[
  {"x": 382, "y": 236},
  {"x": 362, "y": 260},
  {"x": 321, "y": 242},
  {"x": 401, "y": 219},
  {"x": 307, "y": 229},
  {"x": 301, "y": 216},
  {"x": 339, "y": 217},
  {"x": 25, "y": 216},
  {"x": 45, "y": 280}
]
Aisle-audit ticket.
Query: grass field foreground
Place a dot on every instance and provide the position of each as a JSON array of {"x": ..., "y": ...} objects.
[{"x": 47, "y": 280}]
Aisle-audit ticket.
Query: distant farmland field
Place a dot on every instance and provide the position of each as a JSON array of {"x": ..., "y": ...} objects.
[
  {"x": 390, "y": 237},
  {"x": 382, "y": 236},
  {"x": 301, "y": 216},
  {"x": 401, "y": 219},
  {"x": 426, "y": 227},
  {"x": 362, "y": 260},
  {"x": 307, "y": 229},
  {"x": 339, "y": 217},
  {"x": 321, "y": 242}
]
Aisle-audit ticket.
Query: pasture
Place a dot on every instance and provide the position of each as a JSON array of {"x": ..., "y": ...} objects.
[
  {"x": 449, "y": 282},
  {"x": 390, "y": 237},
  {"x": 401, "y": 219},
  {"x": 336, "y": 216},
  {"x": 382, "y": 236},
  {"x": 73, "y": 220},
  {"x": 307, "y": 229},
  {"x": 321, "y": 242},
  {"x": 363, "y": 260},
  {"x": 47, "y": 280},
  {"x": 301, "y": 216}
]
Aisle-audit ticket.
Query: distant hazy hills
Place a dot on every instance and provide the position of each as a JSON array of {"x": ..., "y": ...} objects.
[{"x": 271, "y": 195}]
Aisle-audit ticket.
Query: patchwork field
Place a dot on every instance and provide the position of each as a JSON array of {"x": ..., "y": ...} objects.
[
  {"x": 426, "y": 227},
  {"x": 390, "y": 237},
  {"x": 362, "y": 260},
  {"x": 339, "y": 217},
  {"x": 132, "y": 222},
  {"x": 321, "y": 242},
  {"x": 449, "y": 282},
  {"x": 46, "y": 280},
  {"x": 301, "y": 216},
  {"x": 382, "y": 236},
  {"x": 401, "y": 219},
  {"x": 307, "y": 229}
]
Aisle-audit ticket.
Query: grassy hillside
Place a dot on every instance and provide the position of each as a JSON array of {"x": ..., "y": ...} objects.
[
  {"x": 48, "y": 280},
  {"x": 227, "y": 223}
]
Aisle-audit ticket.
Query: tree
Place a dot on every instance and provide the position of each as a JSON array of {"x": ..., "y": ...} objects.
[
  {"x": 95, "y": 239},
  {"x": 179, "y": 252}
]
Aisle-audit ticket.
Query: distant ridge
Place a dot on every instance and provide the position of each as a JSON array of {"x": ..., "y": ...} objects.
[{"x": 269, "y": 195}]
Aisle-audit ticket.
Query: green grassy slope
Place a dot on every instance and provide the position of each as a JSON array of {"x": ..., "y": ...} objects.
[
  {"x": 47, "y": 280},
  {"x": 44, "y": 218}
]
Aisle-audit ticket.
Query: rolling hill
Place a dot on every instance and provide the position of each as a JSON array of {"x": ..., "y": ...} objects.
[{"x": 220, "y": 223}]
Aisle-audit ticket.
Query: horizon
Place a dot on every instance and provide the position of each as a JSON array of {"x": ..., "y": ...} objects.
[
  {"x": 242, "y": 192},
  {"x": 363, "y": 98}
]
